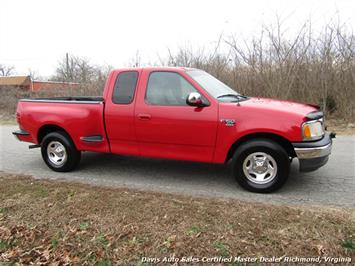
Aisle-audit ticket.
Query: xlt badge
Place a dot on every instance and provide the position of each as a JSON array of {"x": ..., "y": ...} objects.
[{"x": 228, "y": 122}]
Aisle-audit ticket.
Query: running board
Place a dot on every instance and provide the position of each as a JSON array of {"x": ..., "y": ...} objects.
[
  {"x": 34, "y": 146},
  {"x": 93, "y": 138},
  {"x": 21, "y": 132}
]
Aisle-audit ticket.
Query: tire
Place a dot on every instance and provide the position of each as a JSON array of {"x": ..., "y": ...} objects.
[
  {"x": 59, "y": 152},
  {"x": 261, "y": 165}
]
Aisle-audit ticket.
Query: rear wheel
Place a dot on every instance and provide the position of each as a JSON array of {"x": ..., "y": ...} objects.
[
  {"x": 59, "y": 152},
  {"x": 261, "y": 165}
]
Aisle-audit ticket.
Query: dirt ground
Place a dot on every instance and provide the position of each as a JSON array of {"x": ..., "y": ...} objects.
[{"x": 67, "y": 223}]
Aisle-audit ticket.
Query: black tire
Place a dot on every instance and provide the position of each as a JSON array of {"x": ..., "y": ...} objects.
[
  {"x": 263, "y": 148},
  {"x": 72, "y": 155}
]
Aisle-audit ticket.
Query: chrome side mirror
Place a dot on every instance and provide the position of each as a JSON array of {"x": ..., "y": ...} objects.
[{"x": 195, "y": 99}]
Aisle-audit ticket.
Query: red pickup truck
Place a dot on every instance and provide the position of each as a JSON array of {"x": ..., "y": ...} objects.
[{"x": 182, "y": 114}]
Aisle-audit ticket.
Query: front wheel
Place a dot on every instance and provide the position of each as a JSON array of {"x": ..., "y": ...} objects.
[
  {"x": 261, "y": 165},
  {"x": 59, "y": 152}
]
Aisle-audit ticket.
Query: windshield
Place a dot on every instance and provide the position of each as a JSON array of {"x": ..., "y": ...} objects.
[{"x": 212, "y": 85}]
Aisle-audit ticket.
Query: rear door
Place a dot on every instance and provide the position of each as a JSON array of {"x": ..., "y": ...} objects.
[
  {"x": 169, "y": 128},
  {"x": 119, "y": 113}
]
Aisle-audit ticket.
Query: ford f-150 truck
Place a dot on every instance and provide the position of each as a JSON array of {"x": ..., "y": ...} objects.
[{"x": 183, "y": 114}]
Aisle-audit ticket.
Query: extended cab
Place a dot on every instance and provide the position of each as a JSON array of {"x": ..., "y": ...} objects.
[{"x": 181, "y": 114}]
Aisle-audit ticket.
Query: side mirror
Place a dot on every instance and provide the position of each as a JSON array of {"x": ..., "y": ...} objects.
[{"x": 195, "y": 99}]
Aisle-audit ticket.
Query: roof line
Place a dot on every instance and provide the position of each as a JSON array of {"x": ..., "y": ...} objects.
[{"x": 57, "y": 82}]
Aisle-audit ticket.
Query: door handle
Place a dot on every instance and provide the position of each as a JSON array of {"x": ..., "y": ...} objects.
[{"x": 144, "y": 116}]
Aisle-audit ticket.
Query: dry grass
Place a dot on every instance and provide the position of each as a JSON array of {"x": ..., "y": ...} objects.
[
  {"x": 48, "y": 221},
  {"x": 341, "y": 127}
]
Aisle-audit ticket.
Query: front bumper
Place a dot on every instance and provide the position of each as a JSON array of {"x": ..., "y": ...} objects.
[{"x": 315, "y": 154}]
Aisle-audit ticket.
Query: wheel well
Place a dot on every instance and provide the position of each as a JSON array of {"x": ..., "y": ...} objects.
[
  {"x": 44, "y": 130},
  {"x": 286, "y": 144}
]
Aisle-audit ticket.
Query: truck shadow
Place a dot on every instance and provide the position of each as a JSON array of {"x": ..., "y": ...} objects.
[{"x": 175, "y": 173}]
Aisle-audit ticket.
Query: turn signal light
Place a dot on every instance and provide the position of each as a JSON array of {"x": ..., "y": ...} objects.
[{"x": 307, "y": 131}]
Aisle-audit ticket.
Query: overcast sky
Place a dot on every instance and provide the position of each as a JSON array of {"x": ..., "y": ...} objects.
[{"x": 36, "y": 34}]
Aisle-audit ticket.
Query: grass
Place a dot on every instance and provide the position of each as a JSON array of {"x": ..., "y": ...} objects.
[
  {"x": 194, "y": 230},
  {"x": 221, "y": 249},
  {"x": 42, "y": 221},
  {"x": 340, "y": 127},
  {"x": 84, "y": 226},
  {"x": 4, "y": 245},
  {"x": 349, "y": 244}
]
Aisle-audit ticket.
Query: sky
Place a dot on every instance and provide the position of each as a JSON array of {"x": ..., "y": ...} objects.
[{"x": 36, "y": 34}]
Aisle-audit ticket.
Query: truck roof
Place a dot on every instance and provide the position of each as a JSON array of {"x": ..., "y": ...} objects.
[{"x": 161, "y": 68}]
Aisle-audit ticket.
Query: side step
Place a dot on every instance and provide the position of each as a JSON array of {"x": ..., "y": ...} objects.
[
  {"x": 20, "y": 132},
  {"x": 93, "y": 138},
  {"x": 34, "y": 146}
]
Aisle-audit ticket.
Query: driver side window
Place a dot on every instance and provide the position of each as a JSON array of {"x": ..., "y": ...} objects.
[{"x": 167, "y": 88}]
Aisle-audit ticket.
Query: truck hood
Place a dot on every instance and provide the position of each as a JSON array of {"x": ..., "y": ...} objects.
[
  {"x": 256, "y": 115},
  {"x": 267, "y": 104}
]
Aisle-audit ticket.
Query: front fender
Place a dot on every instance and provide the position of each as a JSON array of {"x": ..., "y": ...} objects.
[{"x": 250, "y": 121}]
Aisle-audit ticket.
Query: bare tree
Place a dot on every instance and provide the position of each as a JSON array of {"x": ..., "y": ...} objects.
[
  {"x": 33, "y": 74},
  {"x": 135, "y": 61},
  {"x": 6, "y": 70},
  {"x": 75, "y": 69},
  {"x": 310, "y": 66}
]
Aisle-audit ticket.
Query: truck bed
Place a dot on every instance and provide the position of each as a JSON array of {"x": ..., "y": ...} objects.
[{"x": 82, "y": 117}]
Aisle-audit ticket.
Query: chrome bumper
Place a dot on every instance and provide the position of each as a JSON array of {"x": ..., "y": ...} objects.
[
  {"x": 313, "y": 155},
  {"x": 316, "y": 152}
]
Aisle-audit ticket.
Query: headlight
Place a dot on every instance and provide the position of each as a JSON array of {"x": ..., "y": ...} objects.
[{"x": 312, "y": 130}]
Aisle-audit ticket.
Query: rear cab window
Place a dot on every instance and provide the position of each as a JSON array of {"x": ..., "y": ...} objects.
[{"x": 125, "y": 87}]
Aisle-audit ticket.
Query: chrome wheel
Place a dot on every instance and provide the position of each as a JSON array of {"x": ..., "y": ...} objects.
[
  {"x": 260, "y": 168},
  {"x": 56, "y": 153}
]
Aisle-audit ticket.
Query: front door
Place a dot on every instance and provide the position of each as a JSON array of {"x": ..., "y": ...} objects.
[{"x": 166, "y": 126}]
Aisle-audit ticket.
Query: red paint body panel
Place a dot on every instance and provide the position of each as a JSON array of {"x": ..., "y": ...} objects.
[
  {"x": 172, "y": 132},
  {"x": 119, "y": 119},
  {"x": 259, "y": 116},
  {"x": 77, "y": 120},
  {"x": 175, "y": 132}
]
